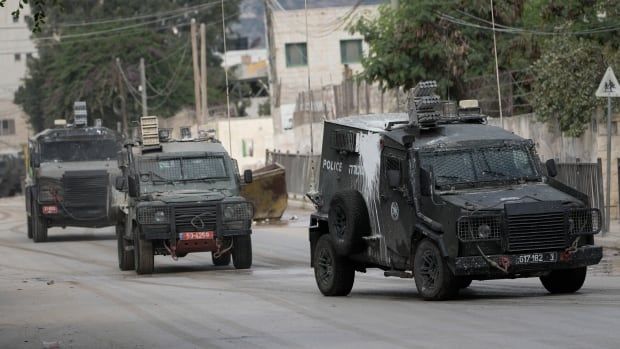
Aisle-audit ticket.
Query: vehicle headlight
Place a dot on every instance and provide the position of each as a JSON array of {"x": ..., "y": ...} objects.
[
  {"x": 49, "y": 192},
  {"x": 584, "y": 221},
  {"x": 153, "y": 215},
  {"x": 238, "y": 211},
  {"x": 479, "y": 228}
]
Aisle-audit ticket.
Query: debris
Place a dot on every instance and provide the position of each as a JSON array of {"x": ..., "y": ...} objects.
[
  {"x": 50, "y": 282},
  {"x": 294, "y": 218}
]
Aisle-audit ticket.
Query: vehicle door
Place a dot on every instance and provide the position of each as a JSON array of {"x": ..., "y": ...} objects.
[{"x": 396, "y": 216}]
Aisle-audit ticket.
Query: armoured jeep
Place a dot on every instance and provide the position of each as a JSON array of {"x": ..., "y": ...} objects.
[
  {"x": 11, "y": 172},
  {"x": 438, "y": 195},
  {"x": 69, "y": 179},
  {"x": 183, "y": 197}
]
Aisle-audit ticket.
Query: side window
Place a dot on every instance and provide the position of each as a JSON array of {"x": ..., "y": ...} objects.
[{"x": 393, "y": 163}]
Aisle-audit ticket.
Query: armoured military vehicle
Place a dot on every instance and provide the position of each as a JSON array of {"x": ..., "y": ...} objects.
[
  {"x": 69, "y": 180},
  {"x": 183, "y": 196},
  {"x": 442, "y": 197},
  {"x": 12, "y": 172}
]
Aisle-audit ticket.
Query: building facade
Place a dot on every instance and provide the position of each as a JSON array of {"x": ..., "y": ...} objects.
[
  {"x": 321, "y": 56},
  {"x": 16, "y": 49}
]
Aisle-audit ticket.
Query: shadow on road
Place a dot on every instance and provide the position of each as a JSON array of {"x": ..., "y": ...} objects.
[{"x": 77, "y": 237}]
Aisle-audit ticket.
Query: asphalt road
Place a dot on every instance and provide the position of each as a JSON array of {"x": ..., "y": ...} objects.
[{"x": 69, "y": 292}]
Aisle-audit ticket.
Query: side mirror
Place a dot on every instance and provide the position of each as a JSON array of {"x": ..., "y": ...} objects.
[
  {"x": 393, "y": 178},
  {"x": 426, "y": 183},
  {"x": 133, "y": 187},
  {"x": 120, "y": 183},
  {"x": 247, "y": 176},
  {"x": 552, "y": 170}
]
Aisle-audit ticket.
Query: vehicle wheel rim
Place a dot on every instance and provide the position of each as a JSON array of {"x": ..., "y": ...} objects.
[
  {"x": 325, "y": 267},
  {"x": 340, "y": 223},
  {"x": 429, "y": 270}
]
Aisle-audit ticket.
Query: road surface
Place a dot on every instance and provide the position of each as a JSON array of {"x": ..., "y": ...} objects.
[{"x": 69, "y": 292}]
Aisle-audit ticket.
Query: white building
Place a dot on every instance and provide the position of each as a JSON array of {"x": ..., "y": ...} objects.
[
  {"x": 15, "y": 50},
  {"x": 322, "y": 53}
]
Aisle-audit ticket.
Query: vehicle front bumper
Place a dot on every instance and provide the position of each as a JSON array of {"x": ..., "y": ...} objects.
[
  {"x": 478, "y": 266},
  {"x": 166, "y": 232}
]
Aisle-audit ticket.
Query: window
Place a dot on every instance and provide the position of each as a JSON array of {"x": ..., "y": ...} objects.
[
  {"x": 296, "y": 55},
  {"x": 18, "y": 57},
  {"x": 351, "y": 51},
  {"x": 7, "y": 127},
  {"x": 15, "y": 19},
  {"x": 29, "y": 56}
]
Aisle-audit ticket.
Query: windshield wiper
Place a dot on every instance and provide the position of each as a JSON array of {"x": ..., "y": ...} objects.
[
  {"x": 456, "y": 178},
  {"x": 209, "y": 179},
  {"x": 494, "y": 173},
  {"x": 161, "y": 179}
]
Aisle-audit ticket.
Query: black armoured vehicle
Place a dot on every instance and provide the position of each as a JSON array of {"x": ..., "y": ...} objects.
[
  {"x": 183, "y": 196},
  {"x": 70, "y": 172},
  {"x": 446, "y": 199},
  {"x": 12, "y": 172}
]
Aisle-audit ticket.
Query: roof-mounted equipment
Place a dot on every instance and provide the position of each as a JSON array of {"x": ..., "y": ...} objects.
[
  {"x": 424, "y": 105},
  {"x": 149, "y": 128},
  {"x": 80, "y": 114},
  {"x": 60, "y": 123}
]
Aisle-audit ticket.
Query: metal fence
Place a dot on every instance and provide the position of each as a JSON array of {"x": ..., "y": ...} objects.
[
  {"x": 587, "y": 178},
  {"x": 298, "y": 170}
]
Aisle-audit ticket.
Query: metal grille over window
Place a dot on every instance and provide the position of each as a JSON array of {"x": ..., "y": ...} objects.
[
  {"x": 479, "y": 228},
  {"x": 584, "y": 221},
  {"x": 184, "y": 169},
  {"x": 153, "y": 215},
  {"x": 344, "y": 140}
]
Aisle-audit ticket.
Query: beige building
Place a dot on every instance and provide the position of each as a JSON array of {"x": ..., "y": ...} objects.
[
  {"x": 15, "y": 50},
  {"x": 322, "y": 52}
]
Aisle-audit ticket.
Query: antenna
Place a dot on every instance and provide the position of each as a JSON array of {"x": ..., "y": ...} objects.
[
  {"x": 312, "y": 169},
  {"x": 499, "y": 92},
  {"x": 226, "y": 75}
]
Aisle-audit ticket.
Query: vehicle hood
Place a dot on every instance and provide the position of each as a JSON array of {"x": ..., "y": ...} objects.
[
  {"x": 57, "y": 169},
  {"x": 496, "y": 198},
  {"x": 184, "y": 196}
]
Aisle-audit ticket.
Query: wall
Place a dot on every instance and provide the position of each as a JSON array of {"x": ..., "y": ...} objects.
[
  {"x": 326, "y": 27},
  {"x": 15, "y": 41},
  {"x": 255, "y": 134},
  {"x": 592, "y": 145}
]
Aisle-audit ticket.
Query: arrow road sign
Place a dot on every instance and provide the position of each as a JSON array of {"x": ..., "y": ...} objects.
[{"x": 609, "y": 86}]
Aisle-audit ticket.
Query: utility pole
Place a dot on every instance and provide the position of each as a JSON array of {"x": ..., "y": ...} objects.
[
  {"x": 203, "y": 72},
  {"x": 143, "y": 87},
  {"x": 196, "y": 68},
  {"x": 121, "y": 93}
]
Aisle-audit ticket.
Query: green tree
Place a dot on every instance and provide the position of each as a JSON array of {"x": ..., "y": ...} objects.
[
  {"x": 82, "y": 64},
  {"x": 419, "y": 41}
]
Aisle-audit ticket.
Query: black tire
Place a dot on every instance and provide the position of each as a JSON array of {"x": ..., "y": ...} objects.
[
  {"x": 125, "y": 250},
  {"x": 39, "y": 231},
  {"x": 334, "y": 274},
  {"x": 30, "y": 227},
  {"x": 222, "y": 260},
  {"x": 348, "y": 222},
  {"x": 144, "y": 258},
  {"x": 565, "y": 280},
  {"x": 433, "y": 278},
  {"x": 242, "y": 252}
]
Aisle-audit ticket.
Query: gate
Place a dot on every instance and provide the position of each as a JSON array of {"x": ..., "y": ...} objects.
[{"x": 588, "y": 179}]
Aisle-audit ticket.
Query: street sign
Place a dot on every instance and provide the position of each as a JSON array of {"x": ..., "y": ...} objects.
[{"x": 609, "y": 86}]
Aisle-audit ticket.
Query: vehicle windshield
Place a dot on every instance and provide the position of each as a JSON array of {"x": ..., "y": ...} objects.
[
  {"x": 82, "y": 150},
  {"x": 481, "y": 165},
  {"x": 192, "y": 173}
]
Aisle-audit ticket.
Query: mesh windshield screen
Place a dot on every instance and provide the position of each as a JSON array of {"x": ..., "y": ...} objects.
[
  {"x": 479, "y": 165},
  {"x": 184, "y": 169}
]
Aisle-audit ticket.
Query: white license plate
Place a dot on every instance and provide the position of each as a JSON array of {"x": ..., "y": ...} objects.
[{"x": 541, "y": 257}]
